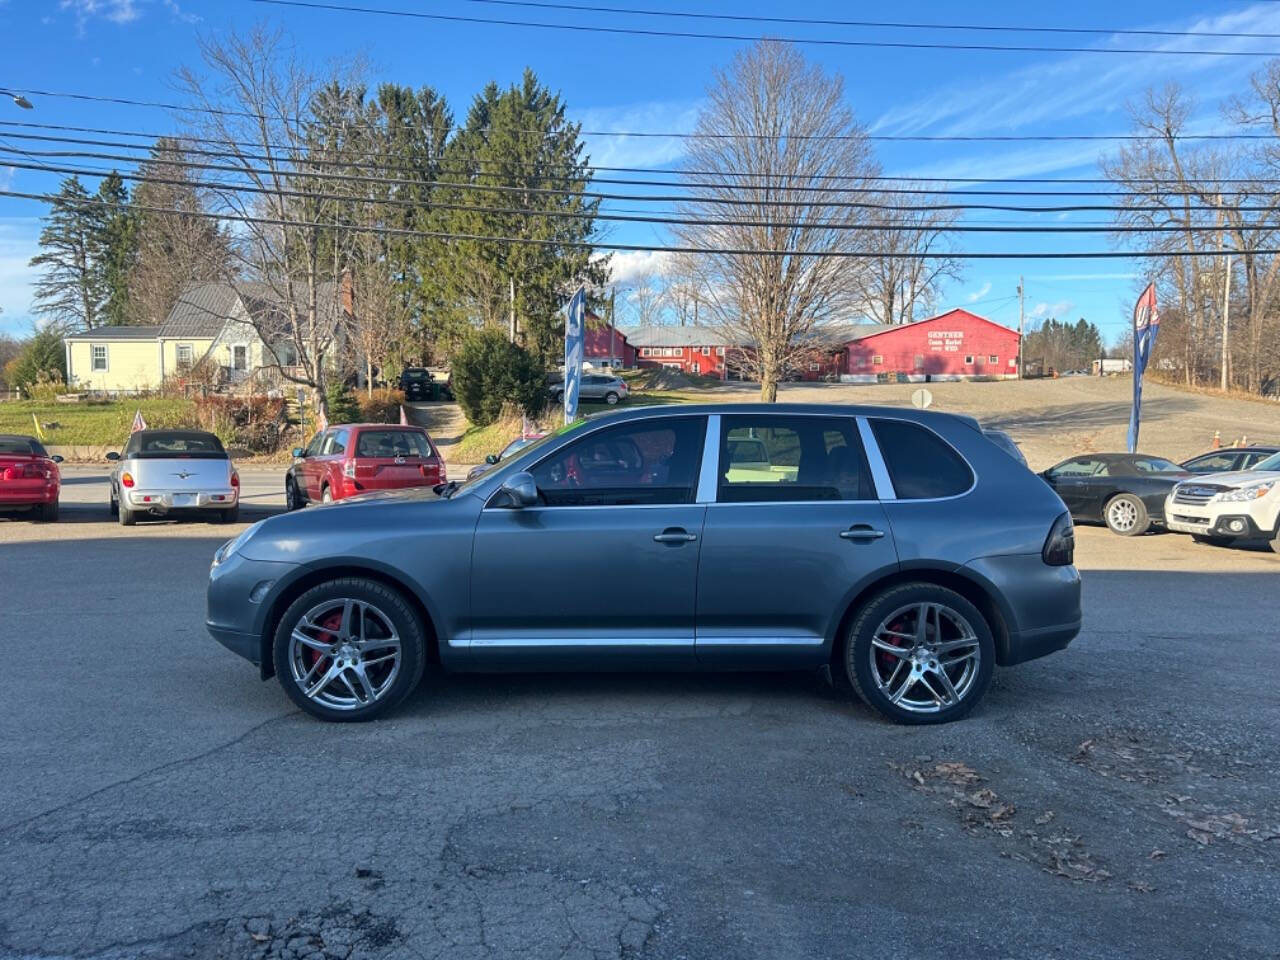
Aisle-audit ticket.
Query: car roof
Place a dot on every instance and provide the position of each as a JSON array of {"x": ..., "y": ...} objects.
[
  {"x": 800, "y": 409},
  {"x": 1251, "y": 448},
  {"x": 378, "y": 426},
  {"x": 16, "y": 436}
]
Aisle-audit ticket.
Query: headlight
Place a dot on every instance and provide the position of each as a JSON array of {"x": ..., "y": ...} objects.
[
  {"x": 1255, "y": 491},
  {"x": 229, "y": 548}
]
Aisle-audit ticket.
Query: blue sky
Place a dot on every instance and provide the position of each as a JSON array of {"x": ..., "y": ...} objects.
[{"x": 130, "y": 48}]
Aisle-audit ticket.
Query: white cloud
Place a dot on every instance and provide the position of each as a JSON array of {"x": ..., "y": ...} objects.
[
  {"x": 981, "y": 292},
  {"x": 658, "y": 116},
  {"x": 630, "y": 264},
  {"x": 1058, "y": 309},
  {"x": 116, "y": 11}
]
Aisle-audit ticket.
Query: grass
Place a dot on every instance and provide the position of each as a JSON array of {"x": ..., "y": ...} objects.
[{"x": 93, "y": 424}]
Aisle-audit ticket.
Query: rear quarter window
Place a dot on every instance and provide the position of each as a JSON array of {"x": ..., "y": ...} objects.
[{"x": 921, "y": 464}]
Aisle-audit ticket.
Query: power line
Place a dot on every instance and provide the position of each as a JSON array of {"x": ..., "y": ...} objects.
[
  {"x": 306, "y": 175},
  {"x": 810, "y": 41},
  {"x": 186, "y": 138},
  {"x": 685, "y": 135},
  {"x": 879, "y": 24},
  {"x": 645, "y": 248}
]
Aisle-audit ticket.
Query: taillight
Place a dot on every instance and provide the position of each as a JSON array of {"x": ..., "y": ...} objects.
[
  {"x": 349, "y": 469},
  {"x": 1060, "y": 546},
  {"x": 126, "y": 480},
  {"x": 235, "y": 480}
]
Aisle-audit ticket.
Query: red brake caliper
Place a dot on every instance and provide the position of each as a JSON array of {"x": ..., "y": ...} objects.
[
  {"x": 332, "y": 622},
  {"x": 888, "y": 661}
]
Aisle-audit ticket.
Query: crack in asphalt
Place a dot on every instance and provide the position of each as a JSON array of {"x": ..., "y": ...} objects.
[{"x": 159, "y": 768}]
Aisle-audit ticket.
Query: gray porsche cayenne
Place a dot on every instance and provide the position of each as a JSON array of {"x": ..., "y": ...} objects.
[{"x": 901, "y": 549}]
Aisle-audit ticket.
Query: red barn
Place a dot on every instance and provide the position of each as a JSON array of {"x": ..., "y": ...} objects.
[
  {"x": 700, "y": 350},
  {"x": 956, "y": 345},
  {"x": 598, "y": 349}
]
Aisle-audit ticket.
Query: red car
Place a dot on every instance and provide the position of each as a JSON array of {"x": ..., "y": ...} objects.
[
  {"x": 29, "y": 477},
  {"x": 355, "y": 458}
]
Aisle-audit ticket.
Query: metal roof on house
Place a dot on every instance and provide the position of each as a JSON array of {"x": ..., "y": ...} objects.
[
  {"x": 668, "y": 335},
  {"x": 116, "y": 333},
  {"x": 201, "y": 311}
]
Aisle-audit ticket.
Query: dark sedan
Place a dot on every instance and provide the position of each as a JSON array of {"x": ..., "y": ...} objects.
[
  {"x": 1126, "y": 491},
  {"x": 652, "y": 539},
  {"x": 1230, "y": 459}
]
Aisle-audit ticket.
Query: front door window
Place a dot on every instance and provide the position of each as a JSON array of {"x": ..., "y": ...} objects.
[{"x": 240, "y": 357}]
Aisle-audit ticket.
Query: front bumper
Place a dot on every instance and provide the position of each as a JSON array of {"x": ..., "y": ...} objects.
[
  {"x": 1040, "y": 604},
  {"x": 238, "y": 601},
  {"x": 1230, "y": 520},
  {"x": 164, "y": 501}
]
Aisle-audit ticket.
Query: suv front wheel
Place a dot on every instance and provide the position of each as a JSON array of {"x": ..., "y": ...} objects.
[{"x": 920, "y": 653}]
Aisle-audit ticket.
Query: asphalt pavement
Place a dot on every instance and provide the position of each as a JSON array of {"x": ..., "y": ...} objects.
[{"x": 159, "y": 801}]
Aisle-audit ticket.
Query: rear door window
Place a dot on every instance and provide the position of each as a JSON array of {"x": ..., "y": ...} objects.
[
  {"x": 921, "y": 464},
  {"x": 773, "y": 459}
]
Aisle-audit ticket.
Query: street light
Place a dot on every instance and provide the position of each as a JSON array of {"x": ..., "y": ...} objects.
[{"x": 19, "y": 99}]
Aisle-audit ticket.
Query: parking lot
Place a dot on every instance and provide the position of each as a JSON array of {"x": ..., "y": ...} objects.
[{"x": 160, "y": 801}]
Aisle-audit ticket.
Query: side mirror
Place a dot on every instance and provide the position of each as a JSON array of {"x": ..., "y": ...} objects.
[
  {"x": 56, "y": 458},
  {"x": 297, "y": 453},
  {"x": 519, "y": 491},
  {"x": 491, "y": 459},
  {"x": 113, "y": 456}
]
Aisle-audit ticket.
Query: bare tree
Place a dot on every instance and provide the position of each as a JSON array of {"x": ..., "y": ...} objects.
[
  {"x": 281, "y": 126},
  {"x": 908, "y": 260},
  {"x": 775, "y": 130},
  {"x": 683, "y": 295},
  {"x": 644, "y": 299}
]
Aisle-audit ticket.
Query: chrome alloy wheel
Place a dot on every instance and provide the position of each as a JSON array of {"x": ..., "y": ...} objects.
[
  {"x": 344, "y": 654},
  {"x": 925, "y": 657},
  {"x": 1122, "y": 515}
]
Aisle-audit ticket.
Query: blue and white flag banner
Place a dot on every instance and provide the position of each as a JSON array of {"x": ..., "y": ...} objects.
[
  {"x": 1146, "y": 324},
  {"x": 574, "y": 331}
]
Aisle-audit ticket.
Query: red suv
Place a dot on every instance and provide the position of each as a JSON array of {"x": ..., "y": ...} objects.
[{"x": 355, "y": 458}]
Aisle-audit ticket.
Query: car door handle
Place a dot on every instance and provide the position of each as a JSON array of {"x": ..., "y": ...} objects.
[
  {"x": 861, "y": 531},
  {"x": 675, "y": 535}
]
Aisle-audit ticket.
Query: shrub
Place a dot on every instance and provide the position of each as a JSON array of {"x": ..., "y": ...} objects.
[
  {"x": 256, "y": 424},
  {"x": 489, "y": 372},
  {"x": 42, "y": 354},
  {"x": 343, "y": 407},
  {"x": 382, "y": 406}
]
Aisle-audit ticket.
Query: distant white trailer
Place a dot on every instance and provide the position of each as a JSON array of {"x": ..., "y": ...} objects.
[{"x": 1118, "y": 365}]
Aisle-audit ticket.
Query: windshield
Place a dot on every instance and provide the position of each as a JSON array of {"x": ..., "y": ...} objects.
[
  {"x": 1271, "y": 463},
  {"x": 21, "y": 447},
  {"x": 161, "y": 446},
  {"x": 415, "y": 374}
]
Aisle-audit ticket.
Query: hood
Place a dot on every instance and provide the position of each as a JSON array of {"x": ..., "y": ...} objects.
[{"x": 1239, "y": 478}]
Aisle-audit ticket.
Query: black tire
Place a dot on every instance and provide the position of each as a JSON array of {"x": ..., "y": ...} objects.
[
  {"x": 1210, "y": 540},
  {"x": 558, "y": 397},
  {"x": 126, "y": 516},
  {"x": 1275, "y": 539},
  {"x": 227, "y": 516},
  {"x": 389, "y": 603},
  {"x": 611, "y": 398},
  {"x": 292, "y": 498},
  {"x": 114, "y": 505},
  {"x": 49, "y": 512},
  {"x": 1125, "y": 506},
  {"x": 858, "y": 663}
]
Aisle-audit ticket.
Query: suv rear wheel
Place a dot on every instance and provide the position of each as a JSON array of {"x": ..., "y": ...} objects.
[
  {"x": 920, "y": 653},
  {"x": 350, "y": 649},
  {"x": 611, "y": 398}
]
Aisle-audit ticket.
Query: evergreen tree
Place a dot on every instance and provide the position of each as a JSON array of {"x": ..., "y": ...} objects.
[
  {"x": 70, "y": 291},
  {"x": 116, "y": 228}
]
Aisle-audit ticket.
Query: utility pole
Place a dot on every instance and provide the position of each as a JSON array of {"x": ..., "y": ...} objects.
[
  {"x": 1226, "y": 300},
  {"x": 1022, "y": 319},
  {"x": 513, "y": 308},
  {"x": 613, "y": 323}
]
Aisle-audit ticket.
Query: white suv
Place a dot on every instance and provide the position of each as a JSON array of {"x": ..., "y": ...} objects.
[{"x": 1223, "y": 508}]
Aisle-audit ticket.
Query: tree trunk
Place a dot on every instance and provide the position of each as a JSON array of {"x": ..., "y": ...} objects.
[
  {"x": 368, "y": 378},
  {"x": 768, "y": 386}
]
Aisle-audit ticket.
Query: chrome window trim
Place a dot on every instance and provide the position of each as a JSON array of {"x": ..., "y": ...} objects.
[
  {"x": 955, "y": 496},
  {"x": 708, "y": 470},
  {"x": 879, "y": 470}
]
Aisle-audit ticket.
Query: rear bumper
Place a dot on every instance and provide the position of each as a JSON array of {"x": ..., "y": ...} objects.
[
  {"x": 164, "y": 501},
  {"x": 1040, "y": 604},
  {"x": 27, "y": 498}
]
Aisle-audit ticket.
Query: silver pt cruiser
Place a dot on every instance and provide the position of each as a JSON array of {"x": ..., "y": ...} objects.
[{"x": 901, "y": 549}]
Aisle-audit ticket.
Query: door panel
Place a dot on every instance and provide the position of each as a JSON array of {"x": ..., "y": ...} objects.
[{"x": 577, "y": 587}]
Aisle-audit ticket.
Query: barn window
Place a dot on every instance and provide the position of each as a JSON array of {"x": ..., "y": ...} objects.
[
  {"x": 706, "y": 351},
  {"x": 719, "y": 351},
  {"x": 877, "y": 360},
  {"x": 814, "y": 368},
  {"x": 919, "y": 361},
  {"x": 969, "y": 359},
  {"x": 697, "y": 367},
  {"x": 993, "y": 359}
]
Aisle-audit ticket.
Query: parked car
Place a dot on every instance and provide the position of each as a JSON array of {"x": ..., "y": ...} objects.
[
  {"x": 595, "y": 386},
  {"x": 29, "y": 478},
  {"x": 173, "y": 472},
  {"x": 1126, "y": 491},
  {"x": 1230, "y": 508},
  {"x": 357, "y": 458},
  {"x": 416, "y": 383},
  {"x": 519, "y": 443},
  {"x": 877, "y": 559},
  {"x": 1229, "y": 459}
]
